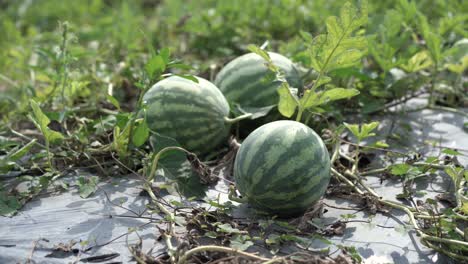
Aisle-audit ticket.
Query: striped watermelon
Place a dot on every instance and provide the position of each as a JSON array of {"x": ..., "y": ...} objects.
[
  {"x": 282, "y": 168},
  {"x": 248, "y": 82},
  {"x": 192, "y": 113}
]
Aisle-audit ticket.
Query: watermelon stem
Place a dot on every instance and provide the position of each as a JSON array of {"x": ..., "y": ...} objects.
[
  {"x": 154, "y": 163},
  {"x": 237, "y": 119},
  {"x": 184, "y": 258},
  {"x": 233, "y": 196}
]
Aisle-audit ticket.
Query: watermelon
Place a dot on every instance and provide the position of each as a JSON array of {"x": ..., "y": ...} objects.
[
  {"x": 282, "y": 168},
  {"x": 194, "y": 114},
  {"x": 248, "y": 82}
]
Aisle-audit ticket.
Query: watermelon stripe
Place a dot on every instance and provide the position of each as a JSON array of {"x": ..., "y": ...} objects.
[
  {"x": 232, "y": 68},
  {"x": 186, "y": 134},
  {"x": 299, "y": 163},
  {"x": 300, "y": 187},
  {"x": 269, "y": 94},
  {"x": 298, "y": 183},
  {"x": 182, "y": 113},
  {"x": 283, "y": 167},
  {"x": 251, "y": 70},
  {"x": 241, "y": 79},
  {"x": 272, "y": 158},
  {"x": 184, "y": 103},
  {"x": 211, "y": 140},
  {"x": 246, "y": 84},
  {"x": 254, "y": 150},
  {"x": 282, "y": 200},
  {"x": 191, "y": 113},
  {"x": 186, "y": 93}
]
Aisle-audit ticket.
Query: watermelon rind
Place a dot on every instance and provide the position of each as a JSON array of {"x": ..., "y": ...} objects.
[
  {"x": 192, "y": 113},
  {"x": 282, "y": 168},
  {"x": 247, "y": 81}
]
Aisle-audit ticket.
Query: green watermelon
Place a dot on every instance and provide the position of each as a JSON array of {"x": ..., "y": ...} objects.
[
  {"x": 248, "y": 82},
  {"x": 192, "y": 113},
  {"x": 282, "y": 168}
]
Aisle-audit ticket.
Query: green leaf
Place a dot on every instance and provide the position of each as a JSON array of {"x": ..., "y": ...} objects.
[
  {"x": 227, "y": 228},
  {"x": 400, "y": 169},
  {"x": 366, "y": 129},
  {"x": 287, "y": 102},
  {"x": 9, "y": 205},
  {"x": 121, "y": 140},
  {"x": 354, "y": 128},
  {"x": 42, "y": 121},
  {"x": 176, "y": 167},
  {"x": 432, "y": 159},
  {"x": 320, "y": 98},
  {"x": 141, "y": 132},
  {"x": 273, "y": 239},
  {"x": 177, "y": 65},
  {"x": 451, "y": 152},
  {"x": 322, "y": 80},
  {"x": 188, "y": 77},
  {"x": 419, "y": 61},
  {"x": 165, "y": 53},
  {"x": 337, "y": 94},
  {"x": 257, "y": 50},
  {"x": 340, "y": 47},
  {"x": 458, "y": 67},
  {"x": 87, "y": 186},
  {"x": 113, "y": 101},
  {"x": 464, "y": 209},
  {"x": 240, "y": 242},
  {"x": 155, "y": 66},
  {"x": 256, "y": 112},
  {"x": 159, "y": 142},
  {"x": 456, "y": 173},
  {"x": 18, "y": 154},
  {"x": 381, "y": 144},
  {"x": 433, "y": 40}
]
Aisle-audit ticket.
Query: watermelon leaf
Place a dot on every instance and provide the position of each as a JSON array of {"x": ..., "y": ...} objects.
[
  {"x": 141, "y": 132},
  {"x": 419, "y": 61},
  {"x": 87, "y": 186},
  {"x": 240, "y": 242},
  {"x": 433, "y": 39},
  {"x": 113, "y": 101},
  {"x": 9, "y": 205},
  {"x": 287, "y": 102},
  {"x": 343, "y": 46},
  {"x": 188, "y": 77},
  {"x": 364, "y": 131},
  {"x": 320, "y": 98},
  {"x": 339, "y": 48},
  {"x": 42, "y": 121},
  {"x": 400, "y": 169},
  {"x": 155, "y": 66},
  {"x": 256, "y": 112},
  {"x": 175, "y": 167},
  {"x": 260, "y": 52},
  {"x": 165, "y": 54},
  {"x": 15, "y": 155}
]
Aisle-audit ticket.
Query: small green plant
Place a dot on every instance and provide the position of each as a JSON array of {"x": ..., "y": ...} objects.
[
  {"x": 343, "y": 46},
  {"x": 42, "y": 123}
]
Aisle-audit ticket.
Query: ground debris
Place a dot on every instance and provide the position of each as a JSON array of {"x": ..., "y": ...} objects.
[{"x": 203, "y": 171}]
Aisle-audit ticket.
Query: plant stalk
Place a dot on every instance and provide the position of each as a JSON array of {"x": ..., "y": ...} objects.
[{"x": 237, "y": 119}]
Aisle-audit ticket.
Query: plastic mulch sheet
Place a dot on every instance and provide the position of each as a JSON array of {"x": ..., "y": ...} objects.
[{"x": 55, "y": 220}]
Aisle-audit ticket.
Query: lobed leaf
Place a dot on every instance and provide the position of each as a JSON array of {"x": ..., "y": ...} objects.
[
  {"x": 287, "y": 102},
  {"x": 42, "y": 121}
]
